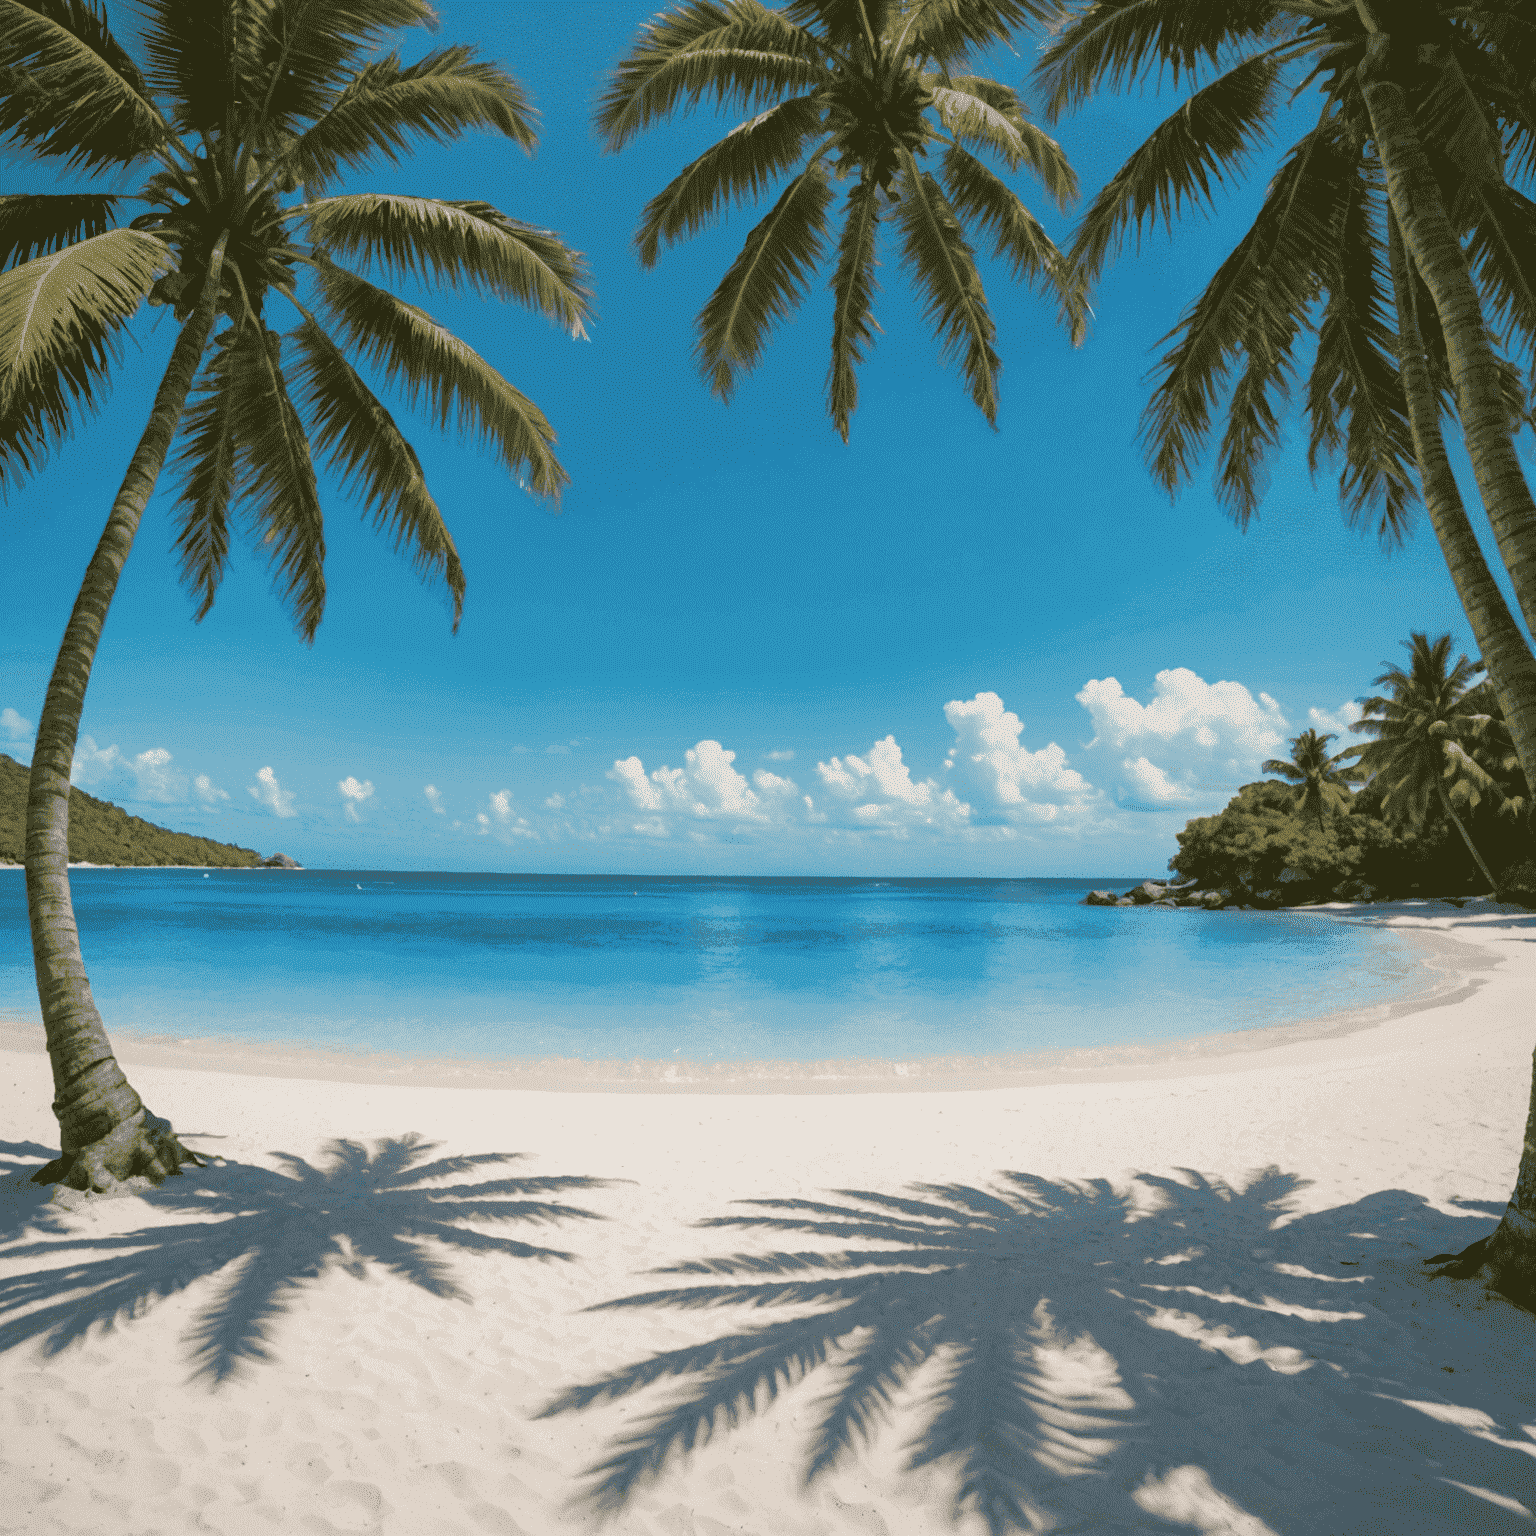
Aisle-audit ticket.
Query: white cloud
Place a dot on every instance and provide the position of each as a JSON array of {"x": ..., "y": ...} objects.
[
  {"x": 435, "y": 799},
  {"x": 354, "y": 793},
  {"x": 1195, "y": 742},
  {"x": 1337, "y": 722},
  {"x": 888, "y": 798},
  {"x": 786, "y": 755},
  {"x": 504, "y": 820},
  {"x": 148, "y": 776},
  {"x": 485, "y": 823},
  {"x": 209, "y": 792},
  {"x": 997, "y": 772},
  {"x": 268, "y": 792},
  {"x": 555, "y": 803},
  {"x": 16, "y": 729},
  {"x": 706, "y": 787}
]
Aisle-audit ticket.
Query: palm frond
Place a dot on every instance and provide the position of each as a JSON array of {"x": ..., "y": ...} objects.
[
  {"x": 948, "y": 30},
  {"x": 1459, "y": 123},
  {"x": 1208, "y": 139},
  {"x": 33, "y": 224},
  {"x": 470, "y": 243},
  {"x": 1355, "y": 380},
  {"x": 1112, "y": 42},
  {"x": 68, "y": 87},
  {"x": 853, "y": 289},
  {"x": 766, "y": 282},
  {"x": 207, "y": 462},
  {"x": 945, "y": 268},
  {"x": 1254, "y": 305},
  {"x": 59, "y": 315},
  {"x": 741, "y": 166},
  {"x": 437, "y": 369},
  {"x": 1501, "y": 247},
  {"x": 367, "y": 451},
  {"x": 276, "y": 474},
  {"x": 988, "y": 203},
  {"x": 986, "y": 112},
  {"x": 738, "y": 51},
  {"x": 387, "y": 105}
]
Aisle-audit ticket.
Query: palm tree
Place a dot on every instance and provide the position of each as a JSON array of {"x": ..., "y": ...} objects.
[
  {"x": 860, "y": 92},
  {"x": 1321, "y": 784},
  {"x": 1317, "y": 241},
  {"x": 1421, "y": 732},
  {"x": 223, "y": 111}
]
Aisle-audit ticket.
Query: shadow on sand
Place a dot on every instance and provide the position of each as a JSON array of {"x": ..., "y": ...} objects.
[
  {"x": 273, "y": 1232},
  {"x": 1071, "y": 1355}
]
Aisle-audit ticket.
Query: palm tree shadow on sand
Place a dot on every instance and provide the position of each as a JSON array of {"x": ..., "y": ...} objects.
[
  {"x": 1065, "y": 1352},
  {"x": 273, "y": 1232}
]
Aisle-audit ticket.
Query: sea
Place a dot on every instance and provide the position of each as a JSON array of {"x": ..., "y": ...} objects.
[{"x": 507, "y": 968}]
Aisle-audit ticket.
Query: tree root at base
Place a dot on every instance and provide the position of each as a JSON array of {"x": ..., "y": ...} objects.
[
  {"x": 1511, "y": 1274},
  {"x": 142, "y": 1146}
]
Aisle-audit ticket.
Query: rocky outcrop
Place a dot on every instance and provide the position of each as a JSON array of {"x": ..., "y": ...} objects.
[{"x": 280, "y": 861}]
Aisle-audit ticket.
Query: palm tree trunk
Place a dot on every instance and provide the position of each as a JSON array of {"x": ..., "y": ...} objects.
[
  {"x": 1500, "y": 643},
  {"x": 105, "y": 1132},
  {"x": 1466, "y": 837},
  {"x": 1415, "y": 198}
]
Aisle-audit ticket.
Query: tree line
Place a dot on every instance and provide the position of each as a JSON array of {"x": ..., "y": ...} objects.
[{"x": 1394, "y": 241}]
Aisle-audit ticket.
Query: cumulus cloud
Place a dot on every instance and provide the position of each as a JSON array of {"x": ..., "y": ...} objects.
[
  {"x": 268, "y": 792},
  {"x": 555, "y": 803},
  {"x": 209, "y": 792},
  {"x": 15, "y": 728},
  {"x": 435, "y": 799},
  {"x": 504, "y": 820},
  {"x": 1001, "y": 778},
  {"x": 784, "y": 755},
  {"x": 1337, "y": 722},
  {"x": 706, "y": 787},
  {"x": 354, "y": 793},
  {"x": 147, "y": 776},
  {"x": 1194, "y": 741},
  {"x": 884, "y": 794}
]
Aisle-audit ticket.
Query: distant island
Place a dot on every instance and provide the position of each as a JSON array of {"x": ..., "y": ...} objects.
[{"x": 103, "y": 833}]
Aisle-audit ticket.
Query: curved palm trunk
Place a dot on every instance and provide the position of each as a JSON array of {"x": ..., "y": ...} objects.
[
  {"x": 105, "y": 1132},
  {"x": 1500, "y": 643},
  {"x": 1466, "y": 837},
  {"x": 1415, "y": 199}
]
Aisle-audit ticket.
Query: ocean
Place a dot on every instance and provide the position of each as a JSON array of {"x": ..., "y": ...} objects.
[{"x": 481, "y": 967}]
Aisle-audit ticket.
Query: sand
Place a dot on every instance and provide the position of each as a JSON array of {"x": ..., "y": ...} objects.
[{"x": 1181, "y": 1293}]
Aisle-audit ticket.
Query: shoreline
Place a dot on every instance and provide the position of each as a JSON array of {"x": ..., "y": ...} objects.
[{"x": 1449, "y": 973}]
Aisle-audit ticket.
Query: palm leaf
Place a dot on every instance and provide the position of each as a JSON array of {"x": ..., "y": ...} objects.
[
  {"x": 386, "y": 105},
  {"x": 277, "y": 477},
  {"x": 945, "y": 269},
  {"x": 739, "y": 51},
  {"x": 59, "y": 315},
  {"x": 766, "y": 281},
  {"x": 1110, "y": 42},
  {"x": 367, "y": 450},
  {"x": 984, "y": 112},
  {"x": 947, "y": 30},
  {"x": 988, "y": 203},
  {"x": 470, "y": 243},
  {"x": 208, "y": 464},
  {"x": 437, "y": 369},
  {"x": 853, "y": 288},
  {"x": 1501, "y": 247},
  {"x": 32, "y": 224},
  {"x": 741, "y": 166},
  {"x": 1206, "y": 140},
  {"x": 67, "y": 87},
  {"x": 1355, "y": 378},
  {"x": 1253, "y": 305}
]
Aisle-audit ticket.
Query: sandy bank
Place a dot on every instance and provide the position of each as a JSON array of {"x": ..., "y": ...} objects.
[{"x": 1175, "y": 1295}]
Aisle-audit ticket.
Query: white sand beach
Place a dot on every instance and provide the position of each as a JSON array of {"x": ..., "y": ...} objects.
[{"x": 1180, "y": 1293}]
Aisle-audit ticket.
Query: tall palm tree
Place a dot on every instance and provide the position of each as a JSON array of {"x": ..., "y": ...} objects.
[
  {"x": 861, "y": 91},
  {"x": 1422, "y": 732},
  {"x": 223, "y": 110},
  {"x": 1321, "y": 784},
  {"x": 1315, "y": 260}
]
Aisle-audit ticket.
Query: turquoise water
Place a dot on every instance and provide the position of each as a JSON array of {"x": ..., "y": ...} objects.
[{"x": 492, "y": 967}]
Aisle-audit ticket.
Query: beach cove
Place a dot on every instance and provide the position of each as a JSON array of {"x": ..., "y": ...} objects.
[{"x": 1171, "y": 1294}]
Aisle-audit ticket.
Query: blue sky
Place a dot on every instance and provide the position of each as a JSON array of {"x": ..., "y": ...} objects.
[{"x": 739, "y": 645}]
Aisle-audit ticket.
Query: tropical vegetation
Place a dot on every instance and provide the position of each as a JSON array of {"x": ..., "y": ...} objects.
[
  {"x": 226, "y": 134},
  {"x": 855, "y": 93},
  {"x": 1322, "y": 785},
  {"x": 103, "y": 833}
]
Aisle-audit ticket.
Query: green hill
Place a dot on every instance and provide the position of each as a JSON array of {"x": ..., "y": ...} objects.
[{"x": 103, "y": 833}]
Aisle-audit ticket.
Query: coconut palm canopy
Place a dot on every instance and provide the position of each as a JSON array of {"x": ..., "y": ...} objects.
[
  {"x": 877, "y": 95},
  {"x": 1313, "y": 262},
  {"x": 1321, "y": 784},
  {"x": 238, "y": 124}
]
